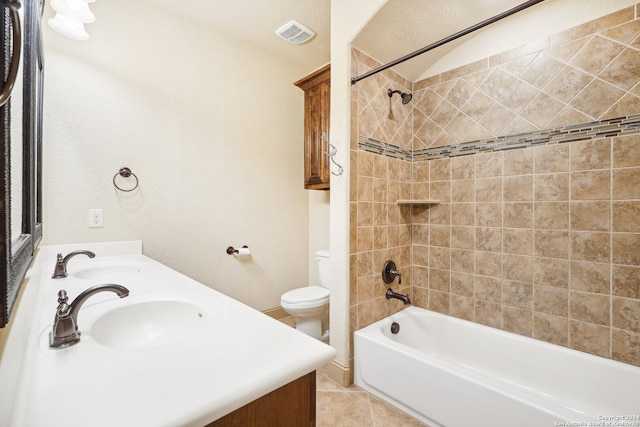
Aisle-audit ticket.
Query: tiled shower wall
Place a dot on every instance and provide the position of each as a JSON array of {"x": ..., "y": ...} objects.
[{"x": 543, "y": 241}]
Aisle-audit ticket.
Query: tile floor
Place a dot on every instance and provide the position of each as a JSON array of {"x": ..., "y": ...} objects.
[{"x": 337, "y": 406}]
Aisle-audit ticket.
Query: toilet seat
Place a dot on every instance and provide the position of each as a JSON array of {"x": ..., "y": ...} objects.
[{"x": 312, "y": 295}]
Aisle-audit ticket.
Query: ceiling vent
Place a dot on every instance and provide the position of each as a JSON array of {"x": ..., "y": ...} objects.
[{"x": 294, "y": 32}]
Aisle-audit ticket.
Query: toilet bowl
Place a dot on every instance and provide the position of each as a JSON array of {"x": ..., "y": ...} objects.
[{"x": 309, "y": 305}]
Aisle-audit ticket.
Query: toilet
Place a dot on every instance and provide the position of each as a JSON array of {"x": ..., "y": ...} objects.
[{"x": 310, "y": 305}]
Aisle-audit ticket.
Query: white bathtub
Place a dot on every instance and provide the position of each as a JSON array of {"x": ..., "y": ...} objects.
[{"x": 451, "y": 372}]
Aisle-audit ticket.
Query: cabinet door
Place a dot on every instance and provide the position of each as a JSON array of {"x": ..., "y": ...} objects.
[
  {"x": 316, "y": 163},
  {"x": 317, "y": 89}
]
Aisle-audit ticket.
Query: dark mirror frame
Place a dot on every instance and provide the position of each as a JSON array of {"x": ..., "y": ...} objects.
[{"x": 17, "y": 255}]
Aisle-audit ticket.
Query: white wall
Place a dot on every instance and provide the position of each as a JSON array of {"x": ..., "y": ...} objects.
[
  {"x": 213, "y": 130},
  {"x": 347, "y": 20}
]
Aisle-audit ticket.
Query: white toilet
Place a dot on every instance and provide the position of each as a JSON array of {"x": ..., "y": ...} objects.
[{"x": 310, "y": 305}]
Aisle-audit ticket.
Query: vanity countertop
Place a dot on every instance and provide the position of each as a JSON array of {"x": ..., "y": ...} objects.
[{"x": 229, "y": 356}]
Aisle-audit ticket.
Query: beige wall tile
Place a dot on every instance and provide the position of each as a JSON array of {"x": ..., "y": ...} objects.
[
  {"x": 552, "y": 158},
  {"x": 462, "y": 260},
  {"x": 590, "y": 338},
  {"x": 551, "y": 243},
  {"x": 551, "y": 272},
  {"x": 488, "y": 313},
  {"x": 463, "y": 190},
  {"x": 626, "y": 216},
  {"x": 590, "y": 277},
  {"x": 440, "y": 301},
  {"x": 626, "y": 346},
  {"x": 517, "y": 241},
  {"x": 551, "y": 328},
  {"x": 592, "y": 185},
  {"x": 594, "y": 216},
  {"x": 626, "y": 248},
  {"x": 488, "y": 190},
  {"x": 551, "y": 187},
  {"x": 626, "y": 314},
  {"x": 517, "y": 320},
  {"x": 626, "y": 183},
  {"x": 488, "y": 264},
  {"x": 518, "y": 294},
  {"x": 518, "y": 215},
  {"x": 625, "y": 281},
  {"x": 489, "y": 239},
  {"x": 489, "y": 214},
  {"x": 588, "y": 307},
  {"x": 463, "y": 237},
  {"x": 551, "y": 215},
  {"x": 462, "y": 284},
  {"x": 590, "y": 246},
  {"x": 551, "y": 300},
  {"x": 517, "y": 267},
  {"x": 440, "y": 279},
  {"x": 463, "y": 214},
  {"x": 462, "y": 307},
  {"x": 588, "y": 155},
  {"x": 517, "y": 162},
  {"x": 626, "y": 151},
  {"x": 488, "y": 165},
  {"x": 518, "y": 188},
  {"x": 488, "y": 289},
  {"x": 463, "y": 167}
]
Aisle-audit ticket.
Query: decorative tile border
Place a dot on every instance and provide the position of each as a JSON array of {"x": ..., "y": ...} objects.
[{"x": 619, "y": 126}]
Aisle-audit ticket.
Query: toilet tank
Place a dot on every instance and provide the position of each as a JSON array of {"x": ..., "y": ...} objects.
[{"x": 323, "y": 267}]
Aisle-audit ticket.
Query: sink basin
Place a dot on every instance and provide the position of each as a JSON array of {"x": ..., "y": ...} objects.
[
  {"x": 151, "y": 324},
  {"x": 108, "y": 271}
]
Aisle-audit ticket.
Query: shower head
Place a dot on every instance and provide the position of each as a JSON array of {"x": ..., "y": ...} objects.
[{"x": 406, "y": 97}]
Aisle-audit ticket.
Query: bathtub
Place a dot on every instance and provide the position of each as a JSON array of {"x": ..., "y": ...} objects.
[{"x": 450, "y": 372}]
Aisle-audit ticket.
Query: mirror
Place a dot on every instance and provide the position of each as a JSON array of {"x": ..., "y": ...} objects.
[{"x": 21, "y": 139}]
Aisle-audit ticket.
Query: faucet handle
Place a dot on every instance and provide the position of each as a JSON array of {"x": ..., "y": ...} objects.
[
  {"x": 62, "y": 296},
  {"x": 390, "y": 272},
  {"x": 63, "y": 305}
]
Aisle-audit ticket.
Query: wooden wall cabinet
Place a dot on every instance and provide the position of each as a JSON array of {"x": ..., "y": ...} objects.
[{"x": 316, "y": 86}]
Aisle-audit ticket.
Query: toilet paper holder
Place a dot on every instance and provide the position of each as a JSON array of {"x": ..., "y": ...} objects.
[{"x": 231, "y": 250}]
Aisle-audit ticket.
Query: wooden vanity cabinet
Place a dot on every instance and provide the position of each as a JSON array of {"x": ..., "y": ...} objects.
[
  {"x": 316, "y": 87},
  {"x": 292, "y": 405}
]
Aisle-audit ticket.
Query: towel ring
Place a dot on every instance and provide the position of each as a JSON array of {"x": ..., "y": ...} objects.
[{"x": 125, "y": 173}]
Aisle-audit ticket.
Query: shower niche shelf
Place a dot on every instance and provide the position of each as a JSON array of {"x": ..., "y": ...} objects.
[{"x": 418, "y": 202}]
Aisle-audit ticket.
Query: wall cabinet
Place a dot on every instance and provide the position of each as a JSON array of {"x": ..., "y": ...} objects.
[{"x": 316, "y": 87}]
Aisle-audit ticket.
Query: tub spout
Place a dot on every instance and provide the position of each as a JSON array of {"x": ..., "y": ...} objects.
[{"x": 404, "y": 298}]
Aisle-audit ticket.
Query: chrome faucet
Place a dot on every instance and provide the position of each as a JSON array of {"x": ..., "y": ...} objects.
[
  {"x": 61, "y": 263},
  {"x": 404, "y": 298},
  {"x": 65, "y": 324}
]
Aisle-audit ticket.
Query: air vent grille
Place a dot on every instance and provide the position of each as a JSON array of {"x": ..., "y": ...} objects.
[{"x": 294, "y": 32}]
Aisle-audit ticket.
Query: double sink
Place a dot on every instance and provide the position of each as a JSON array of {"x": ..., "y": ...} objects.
[{"x": 173, "y": 352}]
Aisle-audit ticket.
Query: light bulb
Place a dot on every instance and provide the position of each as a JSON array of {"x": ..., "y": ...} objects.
[
  {"x": 68, "y": 27},
  {"x": 74, "y": 9}
]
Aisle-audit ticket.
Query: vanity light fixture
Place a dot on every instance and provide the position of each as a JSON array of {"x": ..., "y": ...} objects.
[{"x": 71, "y": 15}]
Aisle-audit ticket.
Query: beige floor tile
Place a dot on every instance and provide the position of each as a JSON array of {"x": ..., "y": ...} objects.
[{"x": 343, "y": 408}]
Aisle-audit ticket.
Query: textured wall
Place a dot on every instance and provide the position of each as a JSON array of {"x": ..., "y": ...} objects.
[{"x": 211, "y": 126}]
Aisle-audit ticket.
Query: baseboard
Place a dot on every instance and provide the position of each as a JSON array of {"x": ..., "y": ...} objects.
[
  {"x": 277, "y": 313},
  {"x": 343, "y": 375}
]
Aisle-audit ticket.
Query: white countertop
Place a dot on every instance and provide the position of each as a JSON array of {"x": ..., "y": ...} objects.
[{"x": 241, "y": 356}]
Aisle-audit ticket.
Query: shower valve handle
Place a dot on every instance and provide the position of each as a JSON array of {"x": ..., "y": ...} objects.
[{"x": 390, "y": 272}]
